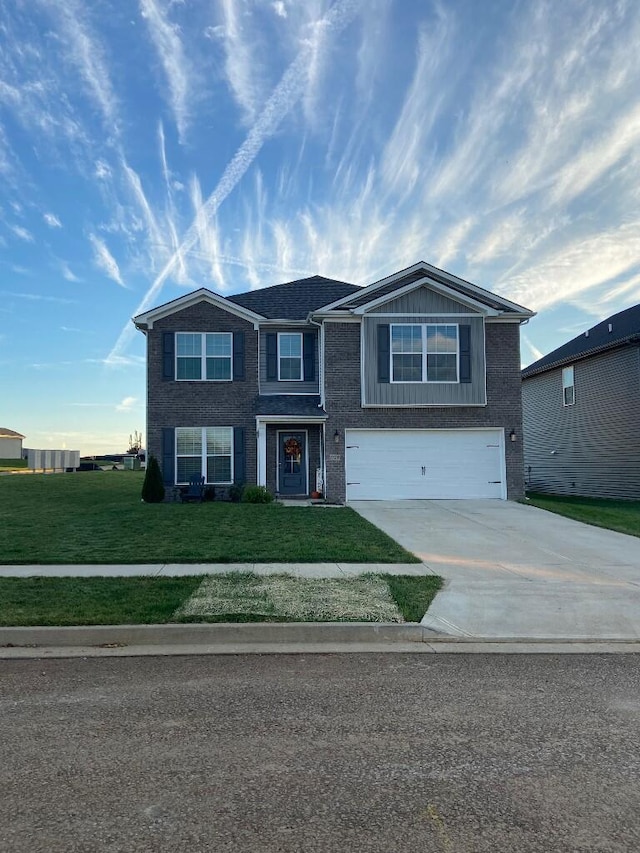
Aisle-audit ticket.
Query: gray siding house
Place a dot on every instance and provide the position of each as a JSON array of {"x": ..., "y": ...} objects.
[
  {"x": 407, "y": 388},
  {"x": 582, "y": 413}
]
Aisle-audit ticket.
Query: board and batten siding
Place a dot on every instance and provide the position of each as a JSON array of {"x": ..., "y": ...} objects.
[
  {"x": 424, "y": 393},
  {"x": 299, "y": 387},
  {"x": 593, "y": 447},
  {"x": 422, "y": 301}
]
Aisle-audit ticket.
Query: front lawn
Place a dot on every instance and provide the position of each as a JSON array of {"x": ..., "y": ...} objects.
[
  {"x": 12, "y": 464},
  {"x": 231, "y": 597},
  {"x": 98, "y": 517},
  {"x": 623, "y": 516}
]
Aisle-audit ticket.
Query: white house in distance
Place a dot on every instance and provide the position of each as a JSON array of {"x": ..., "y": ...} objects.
[{"x": 10, "y": 444}]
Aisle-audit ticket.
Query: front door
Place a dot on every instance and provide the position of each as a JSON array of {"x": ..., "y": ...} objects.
[{"x": 292, "y": 464}]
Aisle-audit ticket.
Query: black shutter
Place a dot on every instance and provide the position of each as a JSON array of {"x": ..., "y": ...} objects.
[
  {"x": 384, "y": 346},
  {"x": 168, "y": 457},
  {"x": 309, "y": 356},
  {"x": 238, "y": 356},
  {"x": 239, "y": 456},
  {"x": 464, "y": 337},
  {"x": 272, "y": 356},
  {"x": 168, "y": 355}
]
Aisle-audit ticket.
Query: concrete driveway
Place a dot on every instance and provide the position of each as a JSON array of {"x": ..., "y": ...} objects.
[{"x": 513, "y": 570}]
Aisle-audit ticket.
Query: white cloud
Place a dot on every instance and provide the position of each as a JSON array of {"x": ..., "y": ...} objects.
[
  {"x": 104, "y": 260},
  {"x": 127, "y": 404},
  {"x": 52, "y": 220},
  {"x": 23, "y": 233}
]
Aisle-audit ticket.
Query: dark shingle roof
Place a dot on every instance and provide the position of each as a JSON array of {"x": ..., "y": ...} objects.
[
  {"x": 625, "y": 328},
  {"x": 295, "y": 299},
  {"x": 290, "y": 404}
]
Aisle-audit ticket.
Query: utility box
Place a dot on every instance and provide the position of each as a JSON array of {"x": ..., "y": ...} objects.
[{"x": 131, "y": 463}]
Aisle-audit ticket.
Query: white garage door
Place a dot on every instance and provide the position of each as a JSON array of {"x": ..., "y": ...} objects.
[{"x": 412, "y": 464}]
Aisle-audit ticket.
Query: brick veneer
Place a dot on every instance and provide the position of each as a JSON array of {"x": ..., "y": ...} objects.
[{"x": 343, "y": 401}]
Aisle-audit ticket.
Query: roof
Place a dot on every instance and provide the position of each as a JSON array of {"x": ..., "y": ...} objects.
[
  {"x": 9, "y": 433},
  {"x": 617, "y": 330},
  {"x": 294, "y": 299},
  {"x": 307, "y": 405}
]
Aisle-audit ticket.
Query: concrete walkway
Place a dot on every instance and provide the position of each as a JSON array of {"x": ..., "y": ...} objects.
[{"x": 516, "y": 571}]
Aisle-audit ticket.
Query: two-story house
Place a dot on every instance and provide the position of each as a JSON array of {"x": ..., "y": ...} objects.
[
  {"x": 407, "y": 388},
  {"x": 581, "y": 407}
]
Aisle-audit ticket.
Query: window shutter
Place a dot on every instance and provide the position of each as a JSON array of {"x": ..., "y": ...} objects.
[
  {"x": 239, "y": 456},
  {"x": 309, "y": 356},
  {"x": 464, "y": 337},
  {"x": 168, "y": 457},
  {"x": 238, "y": 356},
  {"x": 384, "y": 346},
  {"x": 272, "y": 356},
  {"x": 168, "y": 355}
]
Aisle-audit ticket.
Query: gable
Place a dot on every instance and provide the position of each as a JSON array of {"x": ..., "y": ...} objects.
[{"x": 423, "y": 300}]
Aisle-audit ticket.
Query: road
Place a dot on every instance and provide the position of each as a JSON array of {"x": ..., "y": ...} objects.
[{"x": 437, "y": 753}]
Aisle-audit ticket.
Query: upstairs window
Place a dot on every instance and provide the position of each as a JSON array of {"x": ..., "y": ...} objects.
[
  {"x": 426, "y": 352},
  {"x": 289, "y": 356},
  {"x": 205, "y": 356},
  {"x": 568, "y": 387}
]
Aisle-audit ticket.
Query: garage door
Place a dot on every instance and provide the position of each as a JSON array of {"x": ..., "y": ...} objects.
[{"x": 413, "y": 464}]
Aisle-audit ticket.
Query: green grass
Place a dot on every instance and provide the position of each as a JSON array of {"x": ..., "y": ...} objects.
[
  {"x": 144, "y": 600},
  {"x": 622, "y": 516},
  {"x": 92, "y": 601},
  {"x": 12, "y": 464},
  {"x": 98, "y": 517}
]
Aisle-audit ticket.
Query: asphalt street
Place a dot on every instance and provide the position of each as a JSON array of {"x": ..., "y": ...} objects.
[{"x": 360, "y": 752}]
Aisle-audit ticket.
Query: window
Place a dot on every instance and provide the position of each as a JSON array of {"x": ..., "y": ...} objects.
[
  {"x": 568, "y": 388},
  {"x": 424, "y": 353},
  {"x": 206, "y": 451},
  {"x": 289, "y": 356},
  {"x": 204, "y": 356}
]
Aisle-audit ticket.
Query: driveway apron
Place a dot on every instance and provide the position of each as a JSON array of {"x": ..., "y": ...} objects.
[{"x": 516, "y": 571}]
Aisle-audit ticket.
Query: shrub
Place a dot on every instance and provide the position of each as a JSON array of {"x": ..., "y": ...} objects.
[
  {"x": 209, "y": 493},
  {"x": 256, "y": 495},
  {"x": 153, "y": 487},
  {"x": 235, "y": 492}
]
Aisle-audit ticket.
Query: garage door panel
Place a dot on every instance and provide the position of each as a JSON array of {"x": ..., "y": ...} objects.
[{"x": 420, "y": 464}]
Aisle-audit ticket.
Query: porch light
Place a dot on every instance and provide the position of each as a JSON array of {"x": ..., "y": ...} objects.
[
  {"x": 336, "y": 436},
  {"x": 512, "y": 435}
]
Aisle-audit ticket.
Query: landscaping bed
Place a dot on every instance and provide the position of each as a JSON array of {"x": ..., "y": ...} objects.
[
  {"x": 622, "y": 516},
  {"x": 231, "y": 597},
  {"x": 94, "y": 518}
]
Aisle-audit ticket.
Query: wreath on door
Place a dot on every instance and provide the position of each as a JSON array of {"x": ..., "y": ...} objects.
[{"x": 292, "y": 448}]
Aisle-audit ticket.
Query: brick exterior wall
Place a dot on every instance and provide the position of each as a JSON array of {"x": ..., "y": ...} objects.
[
  {"x": 343, "y": 401},
  {"x": 198, "y": 404}
]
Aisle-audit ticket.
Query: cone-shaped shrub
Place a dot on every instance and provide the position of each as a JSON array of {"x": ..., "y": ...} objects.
[{"x": 153, "y": 487}]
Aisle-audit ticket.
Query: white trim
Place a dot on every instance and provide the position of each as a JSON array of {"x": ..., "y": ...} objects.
[
  {"x": 291, "y": 334},
  {"x": 424, "y": 314},
  {"x": 291, "y": 419},
  {"x": 148, "y": 318},
  {"x": 424, "y": 353},
  {"x": 443, "y": 290},
  {"x": 261, "y": 437},
  {"x": 280, "y": 432},
  {"x": 203, "y": 356},
  {"x": 424, "y": 405}
]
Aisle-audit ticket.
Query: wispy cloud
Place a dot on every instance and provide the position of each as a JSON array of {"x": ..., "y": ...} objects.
[
  {"x": 127, "y": 404},
  {"x": 52, "y": 220},
  {"x": 40, "y": 297},
  {"x": 23, "y": 233},
  {"x": 104, "y": 260},
  {"x": 67, "y": 274}
]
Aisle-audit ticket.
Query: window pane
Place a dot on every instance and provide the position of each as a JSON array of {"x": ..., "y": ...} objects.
[
  {"x": 219, "y": 343},
  {"x": 189, "y": 368},
  {"x": 189, "y": 441},
  {"x": 218, "y": 368},
  {"x": 407, "y": 368},
  {"x": 442, "y": 338},
  {"x": 219, "y": 440},
  {"x": 290, "y": 368},
  {"x": 406, "y": 339},
  {"x": 218, "y": 469},
  {"x": 290, "y": 345},
  {"x": 442, "y": 368},
  {"x": 188, "y": 466},
  {"x": 188, "y": 344}
]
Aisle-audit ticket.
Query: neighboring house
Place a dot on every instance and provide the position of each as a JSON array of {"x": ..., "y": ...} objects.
[
  {"x": 10, "y": 444},
  {"x": 582, "y": 413},
  {"x": 407, "y": 388}
]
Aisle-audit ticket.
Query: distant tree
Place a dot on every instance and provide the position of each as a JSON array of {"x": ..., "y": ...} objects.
[
  {"x": 153, "y": 487},
  {"x": 135, "y": 443}
]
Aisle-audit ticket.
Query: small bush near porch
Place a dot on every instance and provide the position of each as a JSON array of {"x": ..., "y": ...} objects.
[{"x": 99, "y": 518}]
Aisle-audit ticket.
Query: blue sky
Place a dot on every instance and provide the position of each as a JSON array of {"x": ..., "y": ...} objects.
[{"x": 151, "y": 147}]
